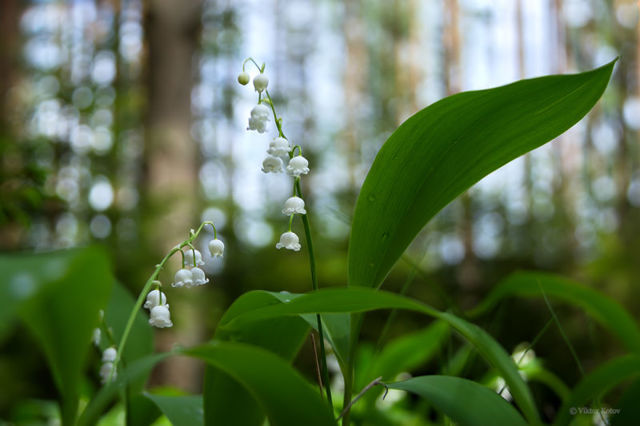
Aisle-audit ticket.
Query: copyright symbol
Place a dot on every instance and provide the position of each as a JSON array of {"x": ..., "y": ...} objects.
[{"x": 573, "y": 411}]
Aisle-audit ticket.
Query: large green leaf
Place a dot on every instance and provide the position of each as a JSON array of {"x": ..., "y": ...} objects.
[
  {"x": 600, "y": 307},
  {"x": 343, "y": 300},
  {"x": 629, "y": 408},
  {"x": 181, "y": 410},
  {"x": 132, "y": 373},
  {"x": 140, "y": 343},
  {"x": 286, "y": 398},
  {"x": 58, "y": 295},
  {"x": 465, "y": 401},
  {"x": 444, "y": 149},
  {"x": 597, "y": 384},
  {"x": 405, "y": 353},
  {"x": 225, "y": 400}
]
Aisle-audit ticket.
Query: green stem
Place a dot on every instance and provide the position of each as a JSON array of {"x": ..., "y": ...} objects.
[
  {"x": 275, "y": 116},
  {"x": 143, "y": 294},
  {"x": 314, "y": 283},
  {"x": 356, "y": 325}
]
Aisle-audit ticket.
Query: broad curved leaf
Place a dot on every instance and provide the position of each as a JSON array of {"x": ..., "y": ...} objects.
[
  {"x": 602, "y": 308},
  {"x": 58, "y": 296},
  {"x": 342, "y": 300},
  {"x": 598, "y": 383},
  {"x": 407, "y": 352},
  {"x": 286, "y": 398},
  {"x": 444, "y": 149},
  {"x": 140, "y": 342},
  {"x": 225, "y": 400},
  {"x": 181, "y": 410},
  {"x": 466, "y": 402}
]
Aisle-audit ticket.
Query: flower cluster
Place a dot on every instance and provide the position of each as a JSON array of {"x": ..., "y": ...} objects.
[
  {"x": 281, "y": 155},
  {"x": 190, "y": 275}
]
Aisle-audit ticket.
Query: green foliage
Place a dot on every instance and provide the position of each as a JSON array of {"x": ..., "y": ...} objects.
[
  {"x": 181, "y": 410},
  {"x": 465, "y": 401},
  {"x": 285, "y": 397},
  {"x": 601, "y": 308},
  {"x": 226, "y": 400},
  {"x": 58, "y": 296},
  {"x": 444, "y": 149},
  {"x": 342, "y": 300},
  {"x": 598, "y": 383},
  {"x": 426, "y": 163}
]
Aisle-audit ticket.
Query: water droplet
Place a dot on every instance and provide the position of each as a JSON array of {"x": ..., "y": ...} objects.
[
  {"x": 371, "y": 198},
  {"x": 286, "y": 300},
  {"x": 385, "y": 236}
]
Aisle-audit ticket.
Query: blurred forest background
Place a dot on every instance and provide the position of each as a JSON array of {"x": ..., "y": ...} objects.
[{"x": 122, "y": 124}]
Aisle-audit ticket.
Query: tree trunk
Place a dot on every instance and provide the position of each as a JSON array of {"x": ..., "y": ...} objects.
[{"x": 171, "y": 175}]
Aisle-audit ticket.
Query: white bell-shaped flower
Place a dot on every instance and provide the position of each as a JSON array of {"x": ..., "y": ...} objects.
[
  {"x": 279, "y": 147},
  {"x": 294, "y": 205},
  {"x": 106, "y": 372},
  {"x": 260, "y": 82},
  {"x": 109, "y": 355},
  {"x": 188, "y": 257},
  {"x": 243, "y": 78},
  {"x": 183, "y": 278},
  {"x": 290, "y": 241},
  {"x": 298, "y": 166},
  {"x": 199, "y": 278},
  {"x": 216, "y": 248},
  {"x": 271, "y": 164},
  {"x": 97, "y": 334},
  {"x": 160, "y": 316},
  {"x": 155, "y": 298},
  {"x": 259, "y": 118}
]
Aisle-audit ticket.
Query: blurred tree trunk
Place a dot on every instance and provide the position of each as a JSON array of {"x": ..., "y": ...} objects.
[
  {"x": 354, "y": 81},
  {"x": 567, "y": 151},
  {"x": 171, "y": 178},
  {"x": 10, "y": 12},
  {"x": 527, "y": 178},
  {"x": 468, "y": 270}
]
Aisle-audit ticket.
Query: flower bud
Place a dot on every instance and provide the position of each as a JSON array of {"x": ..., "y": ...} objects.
[
  {"x": 97, "y": 334},
  {"x": 188, "y": 257},
  {"x": 155, "y": 298},
  {"x": 298, "y": 166},
  {"x": 271, "y": 164},
  {"x": 183, "y": 278},
  {"x": 199, "y": 277},
  {"x": 293, "y": 205},
  {"x": 105, "y": 372},
  {"x": 109, "y": 355},
  {"x": 243, "y": 78},
  {"x": 216, "y": 248},
  {"x": 259, "y": 118},
  {"x": 260, "y": 82},
  {"x": 279, "y": 147},
  {"x": 160, "y": 317},
  {"x": 290, "y": 241}
]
